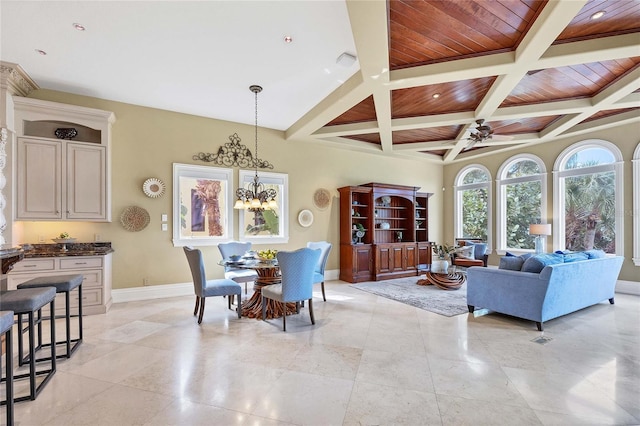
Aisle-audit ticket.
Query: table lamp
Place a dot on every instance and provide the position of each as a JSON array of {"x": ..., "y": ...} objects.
[{"x": 540, "y": 230}]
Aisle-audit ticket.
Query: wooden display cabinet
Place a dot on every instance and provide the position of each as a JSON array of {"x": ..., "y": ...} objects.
[{"x": 394, "y": 219}]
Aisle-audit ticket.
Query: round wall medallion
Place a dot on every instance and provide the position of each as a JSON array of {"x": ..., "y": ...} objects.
[
  {"x": 305, "y": 218},
  {"x": 134, "y": 218},
  {"x": 153, "y": 187},
  {"x": 322, "y": 198}
]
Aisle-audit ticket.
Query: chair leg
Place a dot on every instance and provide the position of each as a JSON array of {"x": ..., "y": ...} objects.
[
  {"x": 195, "y": 310},
  {"x": 323, "y": 295},
  {"x": 201, "y": 310},
  {"x": 239, "y": 308},
  {"x": 229, "y": 300},
  {"x": 284, "y": 317},
  {"x": 297, "y": 307},
  {"x": 313, "y": 320}
]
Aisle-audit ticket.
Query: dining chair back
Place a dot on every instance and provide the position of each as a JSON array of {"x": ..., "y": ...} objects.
[
  {"x": 238, "y": 275},
  {"x": 318, "y": 273},
  {"x": 205, "y": 288},
  {"x": 297, "y": 269}
]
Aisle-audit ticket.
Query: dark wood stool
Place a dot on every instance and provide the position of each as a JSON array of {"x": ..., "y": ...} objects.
[
  {"x": 63, "y": 284},
  {"x": 6, "y": 323},
  {"x": 30, "y": 301}
]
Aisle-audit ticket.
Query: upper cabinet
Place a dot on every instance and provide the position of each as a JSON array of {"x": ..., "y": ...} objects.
[{"x": 63, "y": 162}]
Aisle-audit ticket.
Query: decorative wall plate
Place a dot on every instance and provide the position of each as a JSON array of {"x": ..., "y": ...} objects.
[
  {"x": 153, "y": 187},
  {"x": 322, "y": 198},
  {"x": 305, "y": 218},
  {"x": 134, "y": 218}
]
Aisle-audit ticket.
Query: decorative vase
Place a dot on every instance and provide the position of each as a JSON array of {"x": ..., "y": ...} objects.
[{"x": 440, "y": 266}]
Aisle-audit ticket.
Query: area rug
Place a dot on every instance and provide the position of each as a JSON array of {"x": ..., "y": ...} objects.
[{"x": 430, "y": 298}]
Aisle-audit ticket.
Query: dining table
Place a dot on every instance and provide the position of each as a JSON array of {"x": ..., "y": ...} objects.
[{"x": 268, "y": 274}]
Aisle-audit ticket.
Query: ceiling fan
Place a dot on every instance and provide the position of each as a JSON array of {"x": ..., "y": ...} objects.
[{"x": 483, "y": 132}]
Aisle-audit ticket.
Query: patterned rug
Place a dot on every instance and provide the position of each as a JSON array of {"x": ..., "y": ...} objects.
[{"x": 429, "y": 298}]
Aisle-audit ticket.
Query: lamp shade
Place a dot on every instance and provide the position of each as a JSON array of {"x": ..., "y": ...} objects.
[{"x": 540, "y": 229}]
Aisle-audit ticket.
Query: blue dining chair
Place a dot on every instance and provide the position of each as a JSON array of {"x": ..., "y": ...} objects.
[
  {"x": 206, "y": 288},
  {"x": 237, "y": 248},
  {"x": 297, "y": 269},
  {"x": 318, "y": 273}
]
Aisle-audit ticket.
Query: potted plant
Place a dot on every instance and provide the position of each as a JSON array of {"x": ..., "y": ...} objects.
[{"x": 443, "y": 250}]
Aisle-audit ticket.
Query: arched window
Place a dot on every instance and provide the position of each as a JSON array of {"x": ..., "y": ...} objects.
[
  {"x": 522, "y": 195},
  {"x": 472, "y": 203},
  {"x": 636, "y": 206},
  {"x": 587, "y": 194}
]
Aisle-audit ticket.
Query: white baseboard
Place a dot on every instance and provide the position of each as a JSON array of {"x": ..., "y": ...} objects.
[
  {"x": 186, "y": 289},
  {"x": 628, "y": 287},
  {"x": 152, "y": 292},
  {"x": 173, "y": 290}
]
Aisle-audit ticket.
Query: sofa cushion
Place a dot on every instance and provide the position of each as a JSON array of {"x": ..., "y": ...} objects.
[
  {"x": 575, "y": 257},
  {"x": 511, "y": 263},
  {"x": 595, "y": 254},
  {"x": 479, "y": 249},
  {"x": 537, "y": 263}
]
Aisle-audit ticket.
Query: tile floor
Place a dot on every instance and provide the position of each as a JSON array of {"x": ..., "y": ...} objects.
[{"x": 367, "y": 361}]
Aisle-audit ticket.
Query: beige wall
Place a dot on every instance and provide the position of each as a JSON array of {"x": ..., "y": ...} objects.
[
  {"x": 625, "y": 138},
  {"x": 146, "y": 142}
]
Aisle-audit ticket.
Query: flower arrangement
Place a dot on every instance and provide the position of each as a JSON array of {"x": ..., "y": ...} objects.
[{"x": 443, "y": 250}]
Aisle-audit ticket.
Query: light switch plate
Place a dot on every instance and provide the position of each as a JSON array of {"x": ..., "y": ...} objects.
[
  {"x": 164, "y": 227},
  {"x": 164, "y": 217}
]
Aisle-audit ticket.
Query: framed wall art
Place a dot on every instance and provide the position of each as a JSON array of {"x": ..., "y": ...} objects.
[
  {"x": 202, "y": 205},
  {"x": 266, "y": 226}
]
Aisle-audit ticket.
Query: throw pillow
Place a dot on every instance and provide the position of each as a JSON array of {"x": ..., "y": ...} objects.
[
  {"x": 537, "y": 263},
  {"x": 478, "y": 250},
  {"x": 465, "y": 252},
  {"x": 595, "y": 254},
  {"x": 511, "y": 263},
  {"x": 575, "y": 257}
]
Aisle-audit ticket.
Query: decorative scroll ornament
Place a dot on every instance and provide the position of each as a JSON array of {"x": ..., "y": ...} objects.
[{"x": 233, "y": 154}]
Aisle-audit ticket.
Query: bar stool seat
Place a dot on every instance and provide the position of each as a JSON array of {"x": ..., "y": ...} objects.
[
  {"x": 6, "y": 323},
  {"x": 28, "y": 301},
  {"x": 63, "y": 284}
]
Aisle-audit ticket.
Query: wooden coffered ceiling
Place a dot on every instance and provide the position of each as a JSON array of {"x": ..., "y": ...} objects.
[{"x": 534, "y": 70}]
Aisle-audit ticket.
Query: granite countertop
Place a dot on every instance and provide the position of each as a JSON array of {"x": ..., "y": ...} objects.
[{"x": 73, "y": 249}]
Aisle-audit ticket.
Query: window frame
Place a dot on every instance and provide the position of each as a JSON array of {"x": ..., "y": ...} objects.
[
  {"x": 458, "y": 189},
  {"x": 501, "y": 202},
  {"x": 559, "y": 188}
]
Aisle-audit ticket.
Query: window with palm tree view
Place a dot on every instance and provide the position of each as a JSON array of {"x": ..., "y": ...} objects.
[{"x": 472, "y": 192}]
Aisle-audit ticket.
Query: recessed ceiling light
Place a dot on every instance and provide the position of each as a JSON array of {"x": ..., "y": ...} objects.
[
  {"x": 42, "y": 52},
  {"x": 598, "y": 15},
  {"x": 79, "y": 27},
  {"x": 288, "y": 39},
  {"x": 436, "y": 95}
]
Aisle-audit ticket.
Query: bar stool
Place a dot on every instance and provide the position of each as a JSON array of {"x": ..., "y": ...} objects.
[
  {"x": 6, "y": 323},
  {"x": 63, "y": 284},
  {"x": 29, "y": 301}
]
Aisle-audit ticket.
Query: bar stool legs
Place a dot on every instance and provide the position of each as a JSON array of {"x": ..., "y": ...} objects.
[
  {"x": 29, "y": 302},
  {"x": 63, "y": 284},
  {"x": 6, "y": 323}
]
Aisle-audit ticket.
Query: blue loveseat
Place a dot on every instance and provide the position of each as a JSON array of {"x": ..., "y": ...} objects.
[{"x": 558, "y": 289}]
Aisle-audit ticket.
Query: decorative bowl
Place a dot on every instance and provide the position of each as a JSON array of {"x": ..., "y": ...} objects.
[
  {"x": 385, "y": 225},
  {"x": 235, "y": 257}
]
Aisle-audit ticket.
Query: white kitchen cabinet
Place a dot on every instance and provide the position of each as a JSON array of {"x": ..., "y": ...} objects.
[
  {"x": 96, "y": 283},
  {"x": 62, "y": 179}
]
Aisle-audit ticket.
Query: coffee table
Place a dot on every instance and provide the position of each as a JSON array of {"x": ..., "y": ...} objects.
[{"x": 451, "y": 281}]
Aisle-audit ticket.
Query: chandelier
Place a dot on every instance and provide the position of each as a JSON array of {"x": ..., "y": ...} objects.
[{"x": 256, "y": 197}]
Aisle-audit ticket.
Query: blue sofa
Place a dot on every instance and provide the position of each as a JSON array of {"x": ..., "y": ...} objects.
[{"x": 558, "y": 289}]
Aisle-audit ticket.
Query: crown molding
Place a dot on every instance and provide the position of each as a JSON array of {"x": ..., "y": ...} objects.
[{"x": 15, "y": 80}]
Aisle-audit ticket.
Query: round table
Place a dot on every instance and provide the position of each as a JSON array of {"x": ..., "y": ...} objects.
[{"x": 268, "y": 274}]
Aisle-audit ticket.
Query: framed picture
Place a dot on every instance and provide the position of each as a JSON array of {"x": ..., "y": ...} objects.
[
  {"x": 202, "y": 205},
  {"x": 268, "y": 226}
]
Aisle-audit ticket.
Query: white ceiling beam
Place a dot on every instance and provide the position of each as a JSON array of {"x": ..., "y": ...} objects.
[{"x": 586, "y": 51}]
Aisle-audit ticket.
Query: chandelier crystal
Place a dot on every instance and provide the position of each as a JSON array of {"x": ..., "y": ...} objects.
[{"x": 256, "y": 197}]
